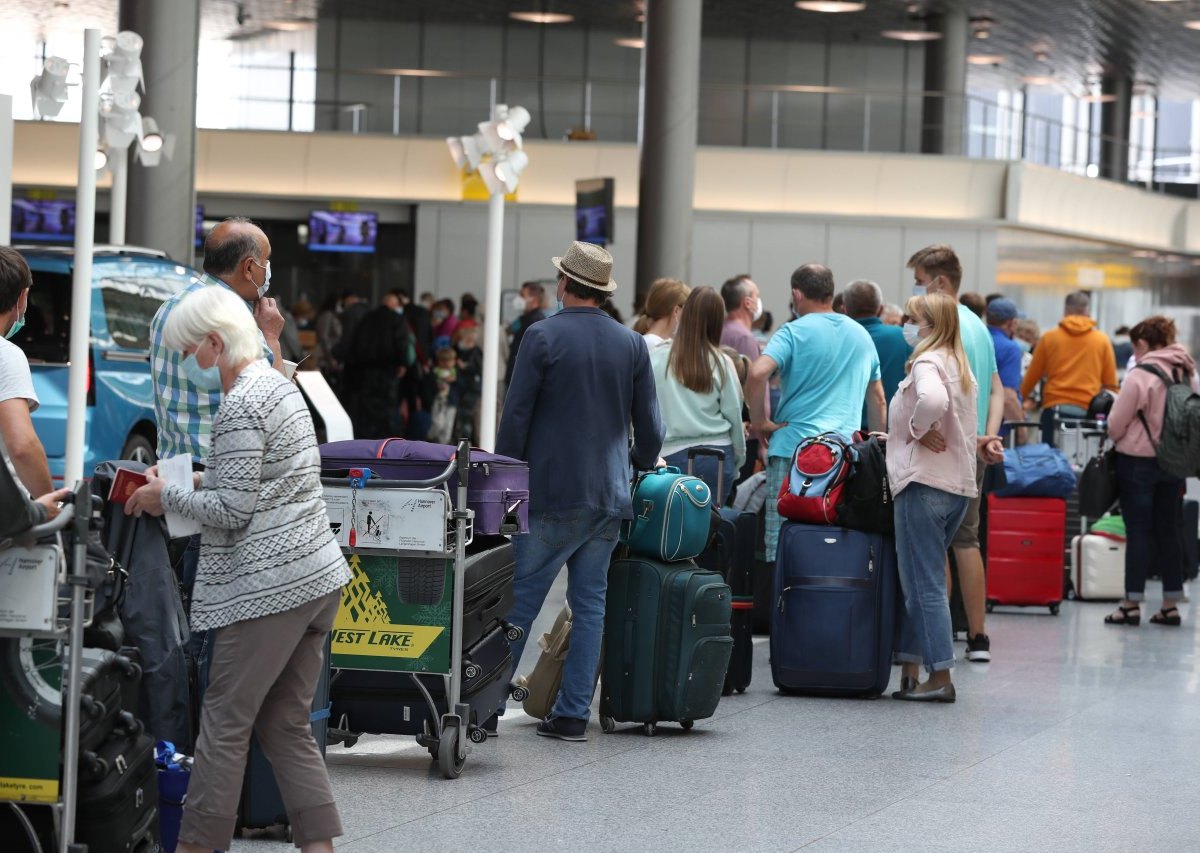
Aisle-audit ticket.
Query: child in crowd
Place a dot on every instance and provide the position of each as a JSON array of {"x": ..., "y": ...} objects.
[
  {"x": 444, "y": 410},
  {"x": 470, "y": 382}
]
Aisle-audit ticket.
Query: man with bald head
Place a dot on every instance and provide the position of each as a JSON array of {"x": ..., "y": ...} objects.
[
  {"x": 828, "y": 368},
  {"x": 237, "y": 256}
]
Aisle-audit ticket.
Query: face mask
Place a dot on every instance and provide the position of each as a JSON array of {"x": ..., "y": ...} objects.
[
  {"x": 518, "y": 304},
  {"x": 1024, "y": 345},
  {"x": 920, "y": 289},
  {"x": 912, "y": 334},
  {"x": 204, "y": 378},
  {"x": 758, "y": 308},
  {"x": 399, "y": 310},
  {"x": 266, "y": 285},
  {"x": 17, "y": 325}
]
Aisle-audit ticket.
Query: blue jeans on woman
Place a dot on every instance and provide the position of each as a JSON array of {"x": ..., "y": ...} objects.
[
  {"x": 705, "y": 467},
  {"x": 584, "y": 542},
  {"x": 1151, "y": 503},
  {"x": 926, "y": 521}
]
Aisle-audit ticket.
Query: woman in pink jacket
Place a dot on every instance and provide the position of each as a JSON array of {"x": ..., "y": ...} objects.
[
  {"x": 931, "y": 452},
  {"x": 1151, "y": 499}
]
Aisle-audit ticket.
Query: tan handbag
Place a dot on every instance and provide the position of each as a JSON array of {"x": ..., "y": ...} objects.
[{"x": 544, "y": 681}]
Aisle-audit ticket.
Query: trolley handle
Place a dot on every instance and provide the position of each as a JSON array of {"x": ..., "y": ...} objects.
[
  {"x": 56, "y": 525},
  {"x": 339, "y": 479}
]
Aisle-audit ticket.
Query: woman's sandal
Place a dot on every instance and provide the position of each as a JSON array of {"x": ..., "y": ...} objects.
[
  {"x": 1167, "y": 616},
  {"x": 1126, "y": 617}
]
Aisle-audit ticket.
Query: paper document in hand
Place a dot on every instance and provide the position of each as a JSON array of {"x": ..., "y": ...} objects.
[{"x": 177, "y": 471}]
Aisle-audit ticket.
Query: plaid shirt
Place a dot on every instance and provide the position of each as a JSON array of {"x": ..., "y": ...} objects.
[{"x": 184, "y": 412}]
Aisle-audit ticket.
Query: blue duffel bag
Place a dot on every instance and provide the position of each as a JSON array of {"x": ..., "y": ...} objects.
[
  {"x": 670, "y": 516},
  {"x": 1036, "y": 470}
]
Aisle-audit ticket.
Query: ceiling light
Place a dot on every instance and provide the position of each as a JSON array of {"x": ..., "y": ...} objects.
[
  {"x": 634, "y": 43},
  {"x": 911, "y": 35},
  {"x": 985, "y": 59},
  {"x": 1103, "y": 98},
  {"x": 290, "y": 25},
  {"x": 981, "y": 26},
  {"x": 152, "y": 139},
  {"x": 831, "y": 6},
  {"x": 542, "y": 17},
  {"x": 1192, "y": 25},
  {"x": 1039, "y": 80},
  {"x": 48, "y": 90}
]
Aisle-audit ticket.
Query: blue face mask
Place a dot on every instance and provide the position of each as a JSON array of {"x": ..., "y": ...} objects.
[{"x": 204, "y": 378}]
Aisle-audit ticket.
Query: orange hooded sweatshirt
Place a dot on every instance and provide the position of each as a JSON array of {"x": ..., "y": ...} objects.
[{"x": 1076, "y": 360}]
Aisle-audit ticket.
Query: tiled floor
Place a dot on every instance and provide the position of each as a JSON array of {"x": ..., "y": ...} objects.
[{"x": 1077, "y": 737}]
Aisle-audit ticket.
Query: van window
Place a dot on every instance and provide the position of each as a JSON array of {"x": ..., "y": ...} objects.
[
  {"x": 130, "y": 303},
  {"x": 47, "y": 333}
]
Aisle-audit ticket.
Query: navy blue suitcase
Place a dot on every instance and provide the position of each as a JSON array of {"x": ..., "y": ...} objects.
[{"x": 836, "y": 599}]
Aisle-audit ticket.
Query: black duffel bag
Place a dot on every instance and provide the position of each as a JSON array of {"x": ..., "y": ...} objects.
[{"x": 866, "y": 502}]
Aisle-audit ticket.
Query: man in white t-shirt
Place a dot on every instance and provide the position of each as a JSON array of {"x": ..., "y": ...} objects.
[{"x": 18, "y": 441}]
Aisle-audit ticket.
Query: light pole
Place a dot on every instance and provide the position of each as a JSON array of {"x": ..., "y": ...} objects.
[
  {"x": 6, "y": 161},
  {"x": 495, "y": 153}
]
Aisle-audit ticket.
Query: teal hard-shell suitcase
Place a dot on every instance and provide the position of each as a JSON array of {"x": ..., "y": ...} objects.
[
  {"x": 671, "y": 516},
  {"x": 667, "y": 643}
]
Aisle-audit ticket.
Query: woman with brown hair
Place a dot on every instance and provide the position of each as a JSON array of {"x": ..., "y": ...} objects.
[
  {"x": 1151, "y": 499},
  {"x": 660, "y": 317},
  {"x": 699, "y": 397},
  {"x": 931, "y": 458}
]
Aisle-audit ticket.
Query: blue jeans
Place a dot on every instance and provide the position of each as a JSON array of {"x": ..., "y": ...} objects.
[
  {"x": 926, "y": 521},
  {"x": 584, "y": 541},
  {"x": 705, "y": 467},
  {"x": 1151, "y": 503}
]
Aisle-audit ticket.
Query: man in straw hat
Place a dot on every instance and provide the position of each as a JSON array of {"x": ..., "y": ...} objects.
[{"x": 579, "y": 381}]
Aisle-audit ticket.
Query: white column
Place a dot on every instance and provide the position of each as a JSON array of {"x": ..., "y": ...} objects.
[
  {"x": 85, "y": 238},
  {"x": 491, "y": 323},
  {"x": 6, "y": 161}
]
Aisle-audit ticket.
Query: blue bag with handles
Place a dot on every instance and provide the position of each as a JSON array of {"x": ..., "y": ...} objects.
[
  {"x": 1036, "y": 470},
  {"x": 670, "y": 516}
]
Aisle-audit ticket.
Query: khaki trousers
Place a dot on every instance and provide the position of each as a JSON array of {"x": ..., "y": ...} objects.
[{"x": 263, "y": 673}]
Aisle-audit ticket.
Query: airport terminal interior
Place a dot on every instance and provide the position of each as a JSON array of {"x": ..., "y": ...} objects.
[{"x": 444, "y": 156}]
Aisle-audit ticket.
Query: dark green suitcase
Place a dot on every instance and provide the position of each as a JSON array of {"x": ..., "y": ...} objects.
[{"x": 667, "y": 643}]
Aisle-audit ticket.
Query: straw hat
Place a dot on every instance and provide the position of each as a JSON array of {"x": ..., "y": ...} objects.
[{"x": 587, "y": 264}]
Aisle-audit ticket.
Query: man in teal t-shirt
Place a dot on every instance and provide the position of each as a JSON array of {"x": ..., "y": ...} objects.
[
  {"x": 827, "y": 367},
  {"x": 936, "y": 269}
]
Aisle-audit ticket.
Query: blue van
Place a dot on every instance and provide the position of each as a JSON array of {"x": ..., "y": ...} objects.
[{"x": 128, "y": 286}]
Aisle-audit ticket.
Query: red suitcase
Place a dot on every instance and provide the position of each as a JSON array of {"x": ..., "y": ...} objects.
[{"x": 1024, "y": 551}]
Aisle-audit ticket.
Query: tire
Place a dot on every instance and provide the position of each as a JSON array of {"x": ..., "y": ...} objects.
[
  {"x": 607, "y": 725},
  {"x": 649, "y": 729},
  {"x": 687, "y": 724},
  {"x": 420, "y": 580},
  {"x": 448, "y": 759},
  {"x": 1053, "y": 609},
  {"x": 990, "y": 606},
  {"x": 138, "y": 448},
  {"x": 21, "y": 663}
]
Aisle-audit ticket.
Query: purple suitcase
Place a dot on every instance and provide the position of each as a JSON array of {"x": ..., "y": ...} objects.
[{"x": 498, "y": 488}]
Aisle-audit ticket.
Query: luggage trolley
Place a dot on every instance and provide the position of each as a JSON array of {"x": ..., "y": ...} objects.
[{"x": 430, "y": 526}]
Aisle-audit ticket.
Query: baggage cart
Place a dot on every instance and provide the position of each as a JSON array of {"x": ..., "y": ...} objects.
[{"x": 402, "y": 519}]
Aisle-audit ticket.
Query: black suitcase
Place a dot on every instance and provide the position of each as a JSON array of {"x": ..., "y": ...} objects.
[
  {"x": 106, "y": 681},
  {"x": 732, "y": 554},
  {"x": 487, "y": 588},
  {"x": 117, "y": 805},
  {"x": 763, "y": 579},
  {"x": 392, "y": 703}
]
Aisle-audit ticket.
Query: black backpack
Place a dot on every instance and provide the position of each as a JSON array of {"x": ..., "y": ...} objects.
[{"x": 867, "y": 503}]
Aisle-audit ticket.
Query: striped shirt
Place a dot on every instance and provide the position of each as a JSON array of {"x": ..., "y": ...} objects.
[
  {"x": 265, "y": 543},
  {"x": 183, "y": 412}
]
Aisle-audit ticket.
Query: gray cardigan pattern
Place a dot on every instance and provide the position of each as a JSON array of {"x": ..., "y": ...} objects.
[{"x": 265, "y": 544}]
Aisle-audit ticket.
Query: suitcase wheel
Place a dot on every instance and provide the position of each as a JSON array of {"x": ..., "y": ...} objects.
[
  {"x": 518, "y": 693},
  {"x": 513, "y": 633},
  {"x": 649, "y": 729},
  {"x": 687, "y": 724},
  {"x": 1053, "y": 609},
  {"x": 472, "y": 671},
  {"x": 726, "y": 691},
  {"x": 478, "y": 735},
  {"x": 990, "y": 606},
  {"x": 607, "y": 724}
]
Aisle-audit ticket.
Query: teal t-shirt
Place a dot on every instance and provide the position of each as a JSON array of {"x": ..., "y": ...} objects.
[
  {"x": 825, "y": 363},
  {"x": 981, "y": 354}
]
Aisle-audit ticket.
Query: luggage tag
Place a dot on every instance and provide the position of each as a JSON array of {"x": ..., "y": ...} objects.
[{"x": 358, "y": 480}]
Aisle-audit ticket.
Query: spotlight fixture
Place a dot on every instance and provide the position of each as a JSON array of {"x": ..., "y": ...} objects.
[
  {"x": 542, "y": 17},
  {"x": 495, "y": 151},
  {"x": 503, "y": 133},
  {"x": 152, "y": 139},
  {"x": 154, "y": 144},
  {"x": 48, "y": 90},
  {"x": 911, "y": 35},
  {"x": 832, "y": 7},
  {"x": 123, "y": 63},
  {"x": 121, "y": 122},
  {"x": 100, "y": 160},
  {"x": 637, "y": 44},
  {"x": 467, "y": 151},
  {"x": 514, "y": 124},
  {"x": 510, "y": 168}
]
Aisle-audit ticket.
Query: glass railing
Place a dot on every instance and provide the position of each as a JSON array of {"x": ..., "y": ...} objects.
[{"x": 832, "y": 118}]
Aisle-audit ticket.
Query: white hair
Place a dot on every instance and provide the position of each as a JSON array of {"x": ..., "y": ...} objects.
[{"x": 219, "y": 311}]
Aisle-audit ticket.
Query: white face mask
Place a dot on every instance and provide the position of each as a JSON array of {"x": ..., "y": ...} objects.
[
  {"x": 518, "y": 304},
  {"x": 912, "y": 334},
  {"x": 758, "y": 308},
  {"x": 266, "y": 285}
]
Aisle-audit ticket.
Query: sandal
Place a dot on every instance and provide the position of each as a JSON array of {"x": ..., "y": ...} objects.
[
  {"x": 1129, "y": 616},
  {"x": 1167, "y": 616}
]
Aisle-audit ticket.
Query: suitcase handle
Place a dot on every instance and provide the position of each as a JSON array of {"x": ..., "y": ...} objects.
[{"x": 693, "y": 452}]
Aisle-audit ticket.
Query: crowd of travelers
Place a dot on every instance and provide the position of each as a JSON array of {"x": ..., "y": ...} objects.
[{"x": 587, "y": 400}]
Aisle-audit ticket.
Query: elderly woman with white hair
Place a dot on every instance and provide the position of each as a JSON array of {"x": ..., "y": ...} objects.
[{"x": 268, "y": 580}]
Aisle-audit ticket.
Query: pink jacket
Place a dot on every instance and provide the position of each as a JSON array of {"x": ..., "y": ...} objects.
[
  {"x": 931, "y": 397},
  {"x": 1145, "y": 391}
]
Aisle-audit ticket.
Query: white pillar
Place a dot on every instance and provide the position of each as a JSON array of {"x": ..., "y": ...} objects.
[
  {"x": 118, "y": 165},
  {"x": 491, "y": 323},
  {"x": 85, "y": 238},
  {"x": 6, "y": 161}
]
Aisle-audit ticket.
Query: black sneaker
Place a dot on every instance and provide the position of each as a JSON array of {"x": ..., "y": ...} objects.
[
  {"x": 563, "y": 728},
  {"x": 979, "y": 648}
]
